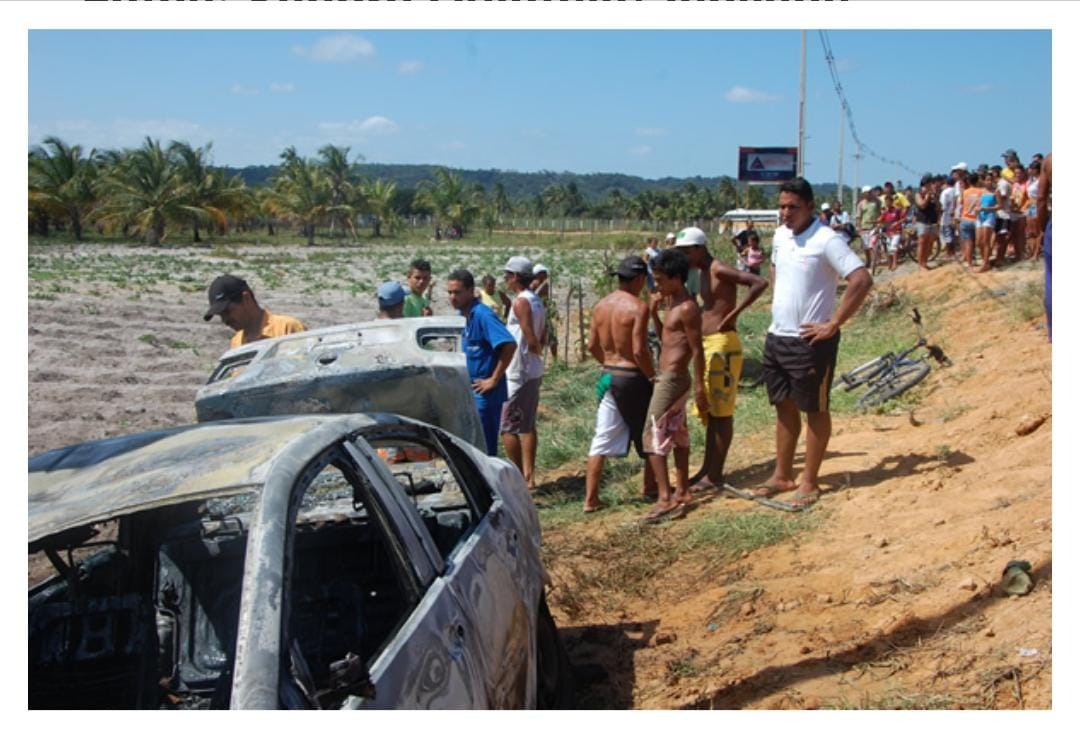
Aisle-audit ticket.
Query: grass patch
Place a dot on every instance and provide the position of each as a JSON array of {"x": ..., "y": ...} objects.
[{"x": 738, "y": 532}]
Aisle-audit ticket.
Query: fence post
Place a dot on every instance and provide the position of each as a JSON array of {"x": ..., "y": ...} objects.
[
  {"x": 566, "y": 326},
  {"x": 581, "y": 317}
]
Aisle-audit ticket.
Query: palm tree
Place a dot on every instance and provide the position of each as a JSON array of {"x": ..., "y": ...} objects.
[
  {"x": 447, "y": 196},
  {"x": 343, "y": 188},
  {"x": 144, "y": 189},
  {"x": 303, "y": 193},
  {"x": 207, "y": 188},
  {"x": 61, "y": 182},
  {"x": 499, "y": 198},
  {"x": 379, "y": 200}
]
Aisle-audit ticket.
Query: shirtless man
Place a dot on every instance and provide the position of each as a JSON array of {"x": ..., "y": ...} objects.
[
  {"x": 618, "y": 339},
  {"x": 722, "y": 348},
  {"x": 665, "y": 422}
]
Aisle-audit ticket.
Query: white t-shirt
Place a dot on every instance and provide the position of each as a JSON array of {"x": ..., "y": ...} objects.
[
  {"x": 525, "y": 365},
  {"x": 808, "y": 268},
  {"x": 1005, "y": 189},
  {"x": 948, "y": 205}
]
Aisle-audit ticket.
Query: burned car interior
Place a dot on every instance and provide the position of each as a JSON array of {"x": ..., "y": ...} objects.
[{"x": 143, "y": 610}]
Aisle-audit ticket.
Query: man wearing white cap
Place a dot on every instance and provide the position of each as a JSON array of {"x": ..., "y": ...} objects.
[
  {"x": 722, "y": 351},
  {"x": 526, "y": 319},
  {"x": 541, "y": 286}
]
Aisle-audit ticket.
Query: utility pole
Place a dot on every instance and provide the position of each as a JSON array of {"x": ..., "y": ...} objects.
[
  {"x": 856, "y": 191},
  {"x": 840, "y": 172},
  {"x": 802, "y": 105}
]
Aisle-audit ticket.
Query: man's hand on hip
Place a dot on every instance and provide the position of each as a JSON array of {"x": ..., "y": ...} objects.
[{"x": 819, "y": 331}]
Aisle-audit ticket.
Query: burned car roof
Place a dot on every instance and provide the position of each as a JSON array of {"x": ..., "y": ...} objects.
[
  {"x": 98, "y": 480},
  {"x": 413, "y": 367}
]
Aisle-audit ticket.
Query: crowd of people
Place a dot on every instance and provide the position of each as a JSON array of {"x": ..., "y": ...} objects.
[
  {"x": 504, "y": 341},
  {"x": 693, "y": 305},
  {"x": 983, "y": 217}
]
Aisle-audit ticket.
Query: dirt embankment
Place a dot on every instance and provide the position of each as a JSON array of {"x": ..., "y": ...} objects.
[{"x": 890, "y": 599}]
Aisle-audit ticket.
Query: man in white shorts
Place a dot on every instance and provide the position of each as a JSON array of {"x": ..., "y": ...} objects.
[{"x": 618, "y": 339}]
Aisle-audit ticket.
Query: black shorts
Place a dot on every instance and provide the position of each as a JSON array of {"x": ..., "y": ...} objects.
[
  {"x": 1004, "y": 226},
  {"x": 797, "y": 370},
  {"x": 632, "y": 392}
]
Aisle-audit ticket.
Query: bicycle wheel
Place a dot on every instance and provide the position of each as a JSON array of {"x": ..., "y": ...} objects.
[
  {"x": 864, "y": 372},
  {"x": 900, "y": 380}
]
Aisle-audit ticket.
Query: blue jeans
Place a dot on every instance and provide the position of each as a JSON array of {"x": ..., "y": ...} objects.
[{"x": 490, "y": 408}]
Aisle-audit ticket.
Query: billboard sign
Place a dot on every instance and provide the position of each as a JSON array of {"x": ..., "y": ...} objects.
[{"x": 767, "y": 165}]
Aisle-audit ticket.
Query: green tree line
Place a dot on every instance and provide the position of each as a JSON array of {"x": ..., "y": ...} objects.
[{"x": 155, "y": 190}]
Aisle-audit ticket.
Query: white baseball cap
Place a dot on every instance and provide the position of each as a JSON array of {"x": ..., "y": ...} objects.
[
  {"x": 866, "y": 189},
  {"x": 690, "y": 237},
  {"x": 961, "y": 166},
  {"x": 670, "y": 236},
  {"x": 539, "y": 268},
  {"x": 826, "y": 206}
]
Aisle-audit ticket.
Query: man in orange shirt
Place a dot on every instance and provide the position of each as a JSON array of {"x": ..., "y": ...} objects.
[{"x": 233, "y": 300}]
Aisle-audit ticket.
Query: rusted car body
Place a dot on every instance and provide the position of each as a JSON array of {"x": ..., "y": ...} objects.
[
  {"x": 412, "y": 367},
  {"x": 317, "y": 561}
]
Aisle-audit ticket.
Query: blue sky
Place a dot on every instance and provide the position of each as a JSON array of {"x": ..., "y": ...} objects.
[{"x": 652, "y": 103}]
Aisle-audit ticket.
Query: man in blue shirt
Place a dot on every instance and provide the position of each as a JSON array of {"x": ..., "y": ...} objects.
[{"x": 489, "y": 347}]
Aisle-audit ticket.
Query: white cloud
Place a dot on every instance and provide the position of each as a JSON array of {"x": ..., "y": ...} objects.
[
  {"x": 282, "y": 87},
  {"x": 976, "y": 88},
  {"x": 408, "y": 68},
  {"x": 121, "y": 132},
  {"x": 341, "y": 48},
  {"x": 651, "y": 132},
  {"x": 745, "y": 94},
  {"x": 453, "y": 145},
  {"x": 242, "y": 90},
  {"x": 640, "y": 150},
  {"x": 371, "y": 127}
]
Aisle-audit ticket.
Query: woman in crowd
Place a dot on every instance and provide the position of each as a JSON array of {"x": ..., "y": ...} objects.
[
  {"x": 926, "y": 217},
  {"x": 969, "y": 216},
  {"x": 1034, "y": 234},
  {"x": 986, "y": 220}
]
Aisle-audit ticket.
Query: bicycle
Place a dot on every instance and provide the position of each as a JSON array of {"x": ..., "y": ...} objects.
[{"x": 892, "y": 374}]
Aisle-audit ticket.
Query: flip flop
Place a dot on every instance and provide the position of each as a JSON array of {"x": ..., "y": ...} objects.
[
  {"x": 765, "y": 490},
  {"x": 600, "y": 506},
  {"x": 671, "y": 513},
  {"x": 764, "y": 501},
  {"x": 704, "y": 485},
  {"x": 802, "y": 500}
]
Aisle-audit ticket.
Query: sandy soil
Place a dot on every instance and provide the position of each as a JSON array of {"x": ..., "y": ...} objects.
[{"x": 889, "y": 600}]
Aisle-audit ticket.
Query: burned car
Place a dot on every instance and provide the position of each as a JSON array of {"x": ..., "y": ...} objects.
[
  {"x": 412, "y": 367},
  {"x": 316, "y": 561}
]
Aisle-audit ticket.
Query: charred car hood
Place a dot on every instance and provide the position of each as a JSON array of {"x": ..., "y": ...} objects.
[{"x": 412, "y": 367}]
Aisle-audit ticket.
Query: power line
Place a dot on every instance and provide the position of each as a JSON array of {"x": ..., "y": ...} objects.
[{"x": 860, "y": 145}]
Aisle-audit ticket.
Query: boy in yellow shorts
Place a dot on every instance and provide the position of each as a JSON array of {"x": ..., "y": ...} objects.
[{"x": 722, "y": 348}]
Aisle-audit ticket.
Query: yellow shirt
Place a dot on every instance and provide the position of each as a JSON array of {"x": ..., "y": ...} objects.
[
  {"x": 489, "y": 302},
  {"x": 899, "y": 200},
  {"x": 272, "y": 325}
]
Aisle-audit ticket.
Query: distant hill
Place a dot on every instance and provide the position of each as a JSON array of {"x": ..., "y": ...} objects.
[{"x": 520, "y": 186}]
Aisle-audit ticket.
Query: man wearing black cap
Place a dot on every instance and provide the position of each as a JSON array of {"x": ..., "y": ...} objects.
[
  {"x": 618, "y": 339},
  {"x": 232, "y": 299}
]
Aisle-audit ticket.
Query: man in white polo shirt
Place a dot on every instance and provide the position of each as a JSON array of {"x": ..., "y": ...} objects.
[{"x": 808, "y": 259}]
